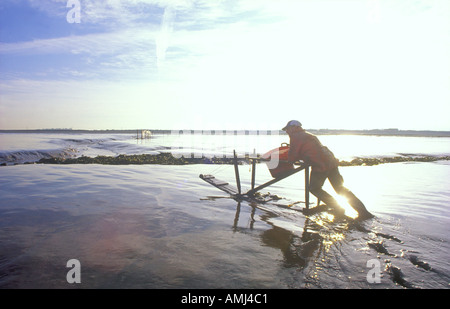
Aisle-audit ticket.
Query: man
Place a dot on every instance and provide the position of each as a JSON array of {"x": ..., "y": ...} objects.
[{"x": 307, "y": 147}]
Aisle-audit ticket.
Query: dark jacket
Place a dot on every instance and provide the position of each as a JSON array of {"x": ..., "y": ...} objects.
[{"x": 306, "y": 147}]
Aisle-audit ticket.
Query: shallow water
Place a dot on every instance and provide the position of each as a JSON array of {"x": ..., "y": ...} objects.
[
  {"x": 31, "y": 147},
  {"x": 152, "y": 226}
]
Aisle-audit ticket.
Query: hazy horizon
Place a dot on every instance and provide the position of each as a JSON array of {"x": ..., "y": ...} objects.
[{"x": 206, "y": 130}]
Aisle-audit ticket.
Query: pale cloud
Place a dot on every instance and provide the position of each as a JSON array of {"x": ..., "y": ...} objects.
[
  {"x": 140, "y": 34},
  {"x": 110, "y": 55},
  {"x": 120, "y": 13},
  {"x": 95, "y": 43}
]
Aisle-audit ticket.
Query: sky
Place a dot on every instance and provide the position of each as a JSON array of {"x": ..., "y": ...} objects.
[{"x": 224, "y": 64}]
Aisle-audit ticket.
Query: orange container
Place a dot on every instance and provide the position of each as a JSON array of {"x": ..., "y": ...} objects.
[{"x": 276, "y": 165}]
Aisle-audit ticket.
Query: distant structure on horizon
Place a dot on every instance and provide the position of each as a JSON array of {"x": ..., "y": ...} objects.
[
  {"x": 57, "y": 129},
  {"x": 143, "y": 134}
]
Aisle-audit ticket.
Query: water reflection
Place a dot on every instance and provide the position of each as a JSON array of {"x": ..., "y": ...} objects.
[
  {"x": 314, "y": 241},
  {"x": 236, "y": 218}
]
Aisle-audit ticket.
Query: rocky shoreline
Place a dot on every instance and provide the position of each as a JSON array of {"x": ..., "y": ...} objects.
[
  {"x": 169, "y": 159},
  {"x": 376, "y": 161}
]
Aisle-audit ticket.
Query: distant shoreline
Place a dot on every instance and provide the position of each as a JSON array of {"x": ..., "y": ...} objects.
[{"x": 373, "y": 132}]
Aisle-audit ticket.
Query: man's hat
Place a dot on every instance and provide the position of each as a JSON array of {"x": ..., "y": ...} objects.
[{"x": 292, "y": 123}]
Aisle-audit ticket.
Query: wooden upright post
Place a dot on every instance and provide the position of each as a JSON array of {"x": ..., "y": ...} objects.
[
  {"x": 253, "y": 173},
  {"x": 236, "y": 172},
  {"x": 307, "y": 187}
]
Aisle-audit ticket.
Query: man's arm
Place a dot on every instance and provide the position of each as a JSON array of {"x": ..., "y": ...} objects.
[{"x": 294, "y": 151}]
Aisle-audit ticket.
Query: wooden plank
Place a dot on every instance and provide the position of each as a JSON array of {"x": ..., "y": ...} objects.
[{"x": 222, "y": 185}]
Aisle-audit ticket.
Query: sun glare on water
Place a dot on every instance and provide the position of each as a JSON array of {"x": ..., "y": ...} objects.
[{"x": 349, "y": 211}]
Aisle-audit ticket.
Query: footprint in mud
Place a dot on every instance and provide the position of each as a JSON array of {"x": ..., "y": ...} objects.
[
  {"x": 395, "y": 272},
  {"x": 387, "y": 236},
  {"x": 379, "y": 247},
  {"x": 397, "y": 276},
  {"x": 415, "y": 261}
]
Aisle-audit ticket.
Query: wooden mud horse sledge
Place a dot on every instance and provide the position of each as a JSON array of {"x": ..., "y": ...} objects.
[{"x": 279, "y": 168}]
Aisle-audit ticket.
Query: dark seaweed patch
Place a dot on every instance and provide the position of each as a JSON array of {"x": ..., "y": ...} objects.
[{"x": 169, "y": 159}]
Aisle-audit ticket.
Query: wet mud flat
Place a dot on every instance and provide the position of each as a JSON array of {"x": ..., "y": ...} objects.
[{"x": 160, "y": 226}]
